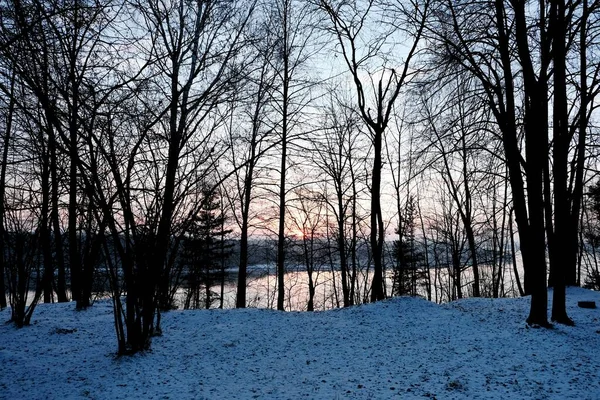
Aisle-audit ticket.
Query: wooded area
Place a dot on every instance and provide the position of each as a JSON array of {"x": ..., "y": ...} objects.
[{"x": 149, "y": 145}]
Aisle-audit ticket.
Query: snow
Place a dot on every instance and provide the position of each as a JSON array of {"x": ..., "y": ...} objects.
[{"x": 400, "y": 348}]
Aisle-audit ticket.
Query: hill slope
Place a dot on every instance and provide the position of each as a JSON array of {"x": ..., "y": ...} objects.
[{"x": 400, "y": 348}]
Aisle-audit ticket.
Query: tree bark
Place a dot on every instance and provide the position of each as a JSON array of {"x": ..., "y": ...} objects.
[
  {"x": 573, "y": 267},
  {"x": 283, "y": 166},
  {"x": 342, "y": 245},
  {"x": 44, "y": 230},
  {"x": 560, "y": 260},
  {"x": 531, "y": 230},
  {"x": 61, "y": 291},
  {"x": 74, "y": 255},
  {"x": 377, "y": 228},
  {"x": 5, "y": 145}
]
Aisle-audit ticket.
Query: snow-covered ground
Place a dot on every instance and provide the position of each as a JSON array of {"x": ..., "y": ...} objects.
[{"x": 401, "y": 348}]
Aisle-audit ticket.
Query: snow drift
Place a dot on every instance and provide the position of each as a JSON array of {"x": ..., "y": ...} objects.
[{"x": 399, "y": 348}]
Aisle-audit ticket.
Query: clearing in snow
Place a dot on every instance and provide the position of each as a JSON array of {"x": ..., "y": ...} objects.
[{"x": 399, "y": 348}]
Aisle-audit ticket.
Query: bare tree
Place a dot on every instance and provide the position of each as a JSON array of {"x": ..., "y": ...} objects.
[
  {"x": 8, "y": 115},
  {"x": 336, "y": 153},
  {"x": 457, "y": 44},
  {"x": 291, "y": 24},
  {"x": 348, "y": 24},
  {"x": 250, "y": 138},
  {"x": 453, "y": 136},
  {"x": 516, "y": 72},
  {"x": 308, "y": 218}
]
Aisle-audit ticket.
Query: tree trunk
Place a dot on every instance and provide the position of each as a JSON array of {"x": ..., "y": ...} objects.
[
  {"x": 5, "y": 144},
  {"x": 573, "y": 264},
  {"x": 560, "y": 260},
  {"x": 531, "y": 228},
  {"x": 342, "y": 247},
  {"x": 426, "y": 249},
  {"x": 284, "y": 138},
  {"x": 44, "y": 230},
  {"x": 243, "y": 268},
  {"x": 307, "y": 245},
  {"x": 248, "y": 182},
  {"x": 281, "y": 230},
  {"x": 353, "y": 243},
  {"x": 534, "y": 259},
  {"x": 456, "y": 270},
  {"x": 61, "y": 291},
  {"x": 222, "y": 255},
  {"x": 467, "y": 215},
  {"x": 514, "y": 255},
  {"x": 377, "y": 229},
  {"x": 74, "y": 254}
]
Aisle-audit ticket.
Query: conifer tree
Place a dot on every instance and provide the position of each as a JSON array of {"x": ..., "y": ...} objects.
[
  {"x": 204, "y": 251},
  {"x": 406, "y": 253}
]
